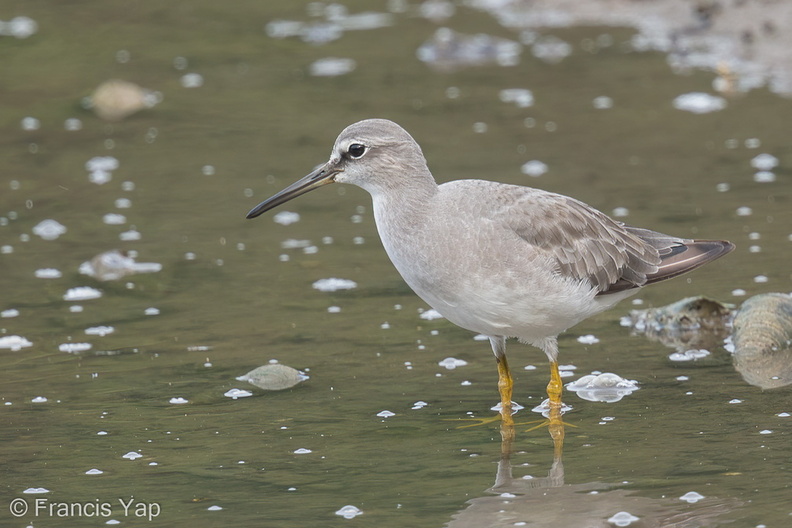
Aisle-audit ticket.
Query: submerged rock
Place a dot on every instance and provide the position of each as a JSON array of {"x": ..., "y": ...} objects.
[
  {"x": 762, "y": 340},
  {"x": 692, "y": 323},
  {"x": 689, "y": 313},
  {"x": 115, "y": 99},
  {"x": 274, "y": 377},
  {"x": 114, "y": 264}
]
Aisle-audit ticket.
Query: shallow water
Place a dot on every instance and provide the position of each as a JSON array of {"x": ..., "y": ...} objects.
[{"x": 228, "y": 301}]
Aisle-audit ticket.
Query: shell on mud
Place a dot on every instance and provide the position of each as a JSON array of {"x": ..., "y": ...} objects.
[
  {"x": 762, "y": 340},
  {"x": 274, "y": 377}
]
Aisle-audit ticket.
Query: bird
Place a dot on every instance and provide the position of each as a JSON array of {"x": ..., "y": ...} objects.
[{"x": 505, "y": 261}]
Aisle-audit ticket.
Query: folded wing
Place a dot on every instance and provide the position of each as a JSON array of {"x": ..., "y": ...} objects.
[{"x": 589, "y": 245}]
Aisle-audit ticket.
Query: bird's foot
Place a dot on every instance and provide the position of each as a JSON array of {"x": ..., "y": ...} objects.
[
  {"x": 479, "y": 421},
  {"x": 505, "y": 420},
  {"x": 546, "y": 422},
  {"x": 505, "y": 412},
  {"x": 552, "y": 410}
]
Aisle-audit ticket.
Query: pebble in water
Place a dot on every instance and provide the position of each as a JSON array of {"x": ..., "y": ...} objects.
[
  {"x": 691, "y": 497},
  {"x": 36, "y": 490},
  {"x": 764, "y": 162},
  {"x": 451, "y": 363},
  {"x": 333, "y": 284},
  {"x": 237, "y": 393},
  {"x": 430, "y": 315},
  {"x": 131, "y": 235},
  {"x": 689, "y": 355},
  {"x": 623, "y": 518},
  {"x": 100, "y": 331},
  {"x": 49, "y": 229},
  {"x": 274, "y": 377},
  {"x": 100, "y": 169},
  {"x": 30, "y": 123},
  {"x": 114, "y": 264},
  {"x": 192, "y": 80},
  {"x": 764, "y": 176},
  {"x": 534, "y": 168},
  {"x": 114, "y": 219},
  {"x": 81, "y": 293},
  {"x": 286, "y": 218},
  {"x": 602, "y": 102},
  {"x": 588, "y": 339},
  {"x": 605, "y": 387},
  {"x": 291, "y": 243},
  {"x": 48, "y": 273},
  {"x": 115, "y": 99},
  {"x": 72, "y": 124},
  {"x": 621, "y": 212},
  {"x": 522, "y": 97},
  {"x": 349, "y": 512},
  {"x": 332, "y": 67},
  {"x": 20, "y": 27},
  {"x": 699, "y": 103},
  {"x": 74, "y": 348},
  {"x": 14, "y": 342}
]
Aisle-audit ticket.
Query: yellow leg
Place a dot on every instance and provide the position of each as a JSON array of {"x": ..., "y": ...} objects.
[
  {"x": 505, "y": 386},
  {"x": 555, "y": 387},
  {"x": 555, "y": 423}
]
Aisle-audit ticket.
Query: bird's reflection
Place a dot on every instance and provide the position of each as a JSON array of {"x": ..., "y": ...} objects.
[{"x": 549, "y": 502}]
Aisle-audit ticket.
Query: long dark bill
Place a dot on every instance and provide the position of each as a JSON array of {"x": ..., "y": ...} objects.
[{"x": 321, "y": 176}]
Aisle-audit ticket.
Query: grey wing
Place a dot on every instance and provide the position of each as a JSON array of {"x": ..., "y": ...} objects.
[{"x": 587, "y": 244}]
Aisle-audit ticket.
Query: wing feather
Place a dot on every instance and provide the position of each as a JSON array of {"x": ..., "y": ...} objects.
[
  {"x": 588, "y": 245},
  {"x": 585, "y": 243}
]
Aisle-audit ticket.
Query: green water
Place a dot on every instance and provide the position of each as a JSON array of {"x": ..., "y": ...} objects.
[{"x": 228, "y": 302}]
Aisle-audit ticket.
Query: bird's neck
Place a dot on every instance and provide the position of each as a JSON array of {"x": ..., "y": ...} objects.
[
  {"x": 408, "y": 197},
  {"x": 401, "y": 210}
]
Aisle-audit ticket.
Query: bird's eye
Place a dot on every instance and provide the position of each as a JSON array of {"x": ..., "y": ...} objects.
[{"x": 356, "y": 150}]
